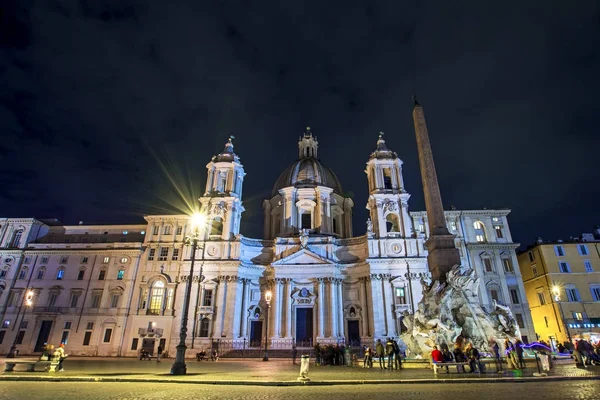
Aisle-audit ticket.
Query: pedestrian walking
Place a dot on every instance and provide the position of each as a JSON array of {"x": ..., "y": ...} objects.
[
  {"x": 159, "y": 352},
  {"x": 60, "y": 356}
]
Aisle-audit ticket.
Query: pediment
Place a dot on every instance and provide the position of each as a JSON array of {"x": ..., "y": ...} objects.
[{"x": 303, "y": 257}]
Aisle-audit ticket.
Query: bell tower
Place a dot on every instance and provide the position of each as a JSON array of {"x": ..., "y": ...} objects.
[
  {"x": 388, "y": 200},
  {"x": 222, "y": 200}
]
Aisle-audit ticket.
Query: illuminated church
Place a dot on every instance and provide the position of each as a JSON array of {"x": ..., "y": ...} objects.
[{"x": 116, "y": 289}]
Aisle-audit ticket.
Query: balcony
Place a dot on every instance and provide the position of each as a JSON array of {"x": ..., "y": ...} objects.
[
  {"x": 205, "y": 310},
  {"x": 400, "y": 308},
  {"x": 150, "y": 332},
  {"x": 51, "y": 310}
]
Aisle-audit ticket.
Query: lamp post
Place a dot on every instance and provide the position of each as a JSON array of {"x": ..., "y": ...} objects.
[
  {"x": 268, "y": 295},
  {"x": 179, "y": 367},
  {"x": 556, "y": 292},
  {"x": 28, "y": 301}
]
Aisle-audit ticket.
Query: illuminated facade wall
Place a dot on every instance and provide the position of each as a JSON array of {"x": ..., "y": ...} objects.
[
  {"x": 570, "y": 270},
  {"x": 115, "y": 289}
]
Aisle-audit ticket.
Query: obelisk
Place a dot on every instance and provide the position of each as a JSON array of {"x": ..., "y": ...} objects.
[{"x": 443, "y": 254}]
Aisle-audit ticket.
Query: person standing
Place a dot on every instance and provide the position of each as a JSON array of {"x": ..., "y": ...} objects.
[
  {"x": 397, "y": 355},
  {"x": 389, "y": 351},
  {"x": 495, "y": 351},
  {"x": 159, "y": 352},
  {"x": 519, "y": 350},
  {"x": 294, "y": 353},
  {"x": 380, "y": 352}
]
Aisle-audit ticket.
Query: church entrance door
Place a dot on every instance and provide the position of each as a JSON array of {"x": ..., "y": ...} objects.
[
  {"x": 255, "y": 333},
  {"x": 304, "y": 324},
  {"x": 353, "y": 332}
]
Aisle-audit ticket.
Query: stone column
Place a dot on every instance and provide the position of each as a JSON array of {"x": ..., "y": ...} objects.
[
  {"x": 389, "y": 305},
  {"x": 242, "y": 315},
  {"x": 288, "y": 308},
  {"x": 245, "y": 309},
  {"x": 277, "y": 307},
  {"x": 340, "y": 307},
  {"x": 220, "y": 306},
  {"x": 363, "y": 305},
  {"x": 321, "y": 294},
  {"x": 375, "y": 297},
  {"x": 238, "y": 308},
  {"x": 333, "y": 318}
]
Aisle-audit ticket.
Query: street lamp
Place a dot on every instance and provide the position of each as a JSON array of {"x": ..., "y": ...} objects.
[
  {"x": 268, "y": 295},
  {"x": 179, "y": 367},
  {"x": 28, "y": 302},
  {"x": 556, "y": 292}
]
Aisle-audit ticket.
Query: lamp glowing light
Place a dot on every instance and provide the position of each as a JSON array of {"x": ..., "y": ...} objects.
[
  {"x": 268, "y": 296},
  {"x": 197, "y": 220}
]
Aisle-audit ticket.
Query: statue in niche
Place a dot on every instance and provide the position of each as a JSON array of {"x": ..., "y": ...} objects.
[
  {"x": 369, "y": 225},
  {"x": 304, "y": 237}
]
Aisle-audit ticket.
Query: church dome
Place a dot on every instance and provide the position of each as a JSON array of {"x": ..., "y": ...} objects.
[{"x": 308, "y": 171}]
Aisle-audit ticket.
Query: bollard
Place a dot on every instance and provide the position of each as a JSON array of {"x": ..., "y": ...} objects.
[{"x": 304, "y": 364}]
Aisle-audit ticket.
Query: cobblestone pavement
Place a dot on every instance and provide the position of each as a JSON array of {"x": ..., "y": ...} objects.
[
  {"x": 582, "y": 390},
  {"x": 276, "y": 370}
]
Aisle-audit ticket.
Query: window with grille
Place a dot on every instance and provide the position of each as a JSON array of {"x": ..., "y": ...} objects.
[
  {"x": 487, "y": 262},
  {"x": 164, "y": 253},
  {"x": 573, "y": 294},
  {"x": 207, "y": 301},
  {"x": 74, "y": 300},
  {"x": 541, "y": 298},
  {"x": 151, "y": 253},
  {"x": 508, "y": 266},
  {"x": 564, "y": 267},
  {"x": 514, "y": 296},
  {"x": 179, "y": 230},
  {"x": 175, "y": 256},
  {"x": 96, "y": 300},
  {"x": 583, "y": 250},
  {"x": 595, "y": 290},
  {"x": 400, "y": 295}
]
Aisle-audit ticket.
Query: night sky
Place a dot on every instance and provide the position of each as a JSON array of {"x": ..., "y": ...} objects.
[{"x": 110, "y": 110}]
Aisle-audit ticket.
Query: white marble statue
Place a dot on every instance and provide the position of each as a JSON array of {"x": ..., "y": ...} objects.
[{"x": 452, "y": 310}]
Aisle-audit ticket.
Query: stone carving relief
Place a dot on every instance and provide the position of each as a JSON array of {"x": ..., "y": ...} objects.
[{"x": 389, "y": 206}]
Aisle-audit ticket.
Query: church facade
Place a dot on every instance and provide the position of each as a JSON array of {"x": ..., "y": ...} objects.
[{"x": 112, "y": 290}]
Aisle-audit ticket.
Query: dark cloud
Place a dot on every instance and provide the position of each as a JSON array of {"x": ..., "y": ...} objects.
[{"x": 117, "y": 106}]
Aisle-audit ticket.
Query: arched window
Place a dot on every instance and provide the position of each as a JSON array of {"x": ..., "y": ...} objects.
[
  {"x": 40, "y": 273},
  {"x": 204, "y": 325},
  {"x": 16, "y": 240},
  {"x": 479, "y": 232},
  {"x": 387, "y": 178},
  {"x": 392, "y": 223},
  {"x": 216, "y": 228},
  {"x": 60, "y": 274},
  {"x": 23, "y": 273},
  {"x": 156, "y": 301}
]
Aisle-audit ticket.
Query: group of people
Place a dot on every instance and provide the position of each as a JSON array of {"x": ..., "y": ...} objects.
[
  {"x": 145, "y": 354},
  {"x": 49, "y": 353},
  {"x": 468, "y": 355},
  {"x": 329, "y": 354},
  {"x": 201, "y": 355},
  {"x": 586, "y": 353},
  {"x": 391, "y": 350}
]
